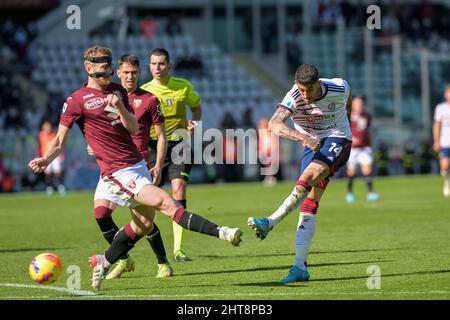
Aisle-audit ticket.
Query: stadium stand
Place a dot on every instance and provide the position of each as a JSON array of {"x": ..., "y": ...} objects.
[{"x": 40, "y": 65}]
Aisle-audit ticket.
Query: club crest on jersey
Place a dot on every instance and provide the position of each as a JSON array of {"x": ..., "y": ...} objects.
[
  {"x": 169, "y": 102},
  {"x": 332, "y": 107},
  {"x": 93, "y": 103},
  {"x": 131, "y": 184},
  {"x": 137, "y": 103}
]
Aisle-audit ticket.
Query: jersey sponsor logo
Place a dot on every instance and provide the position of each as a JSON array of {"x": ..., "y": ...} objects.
[
  {"x": 137, "y": 103},
  {"x": 64, "y": 108},
  {"x": 116, "y": 122},
  {"x": 169, "y": 102},
  {"x": 93, "y": 103},
  {"x": 88, "y": 96},
  {"x": 131, "y": 184}
]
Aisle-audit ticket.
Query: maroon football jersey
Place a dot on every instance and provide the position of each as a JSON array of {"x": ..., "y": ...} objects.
[
  {"x": 148, "y": 111},
  {"x": 360, "y": 125},
  {"x": 101, "y": 127}
]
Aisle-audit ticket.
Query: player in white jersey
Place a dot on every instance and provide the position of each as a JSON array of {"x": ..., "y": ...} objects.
[
  {"x": 441, "y": 137},
  {"x": 320, "y": 109}
]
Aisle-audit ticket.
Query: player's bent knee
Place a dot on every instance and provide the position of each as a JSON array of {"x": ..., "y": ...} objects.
[
  {"x": 315, "y": 173},
  {"x": 169, "y": 206}
]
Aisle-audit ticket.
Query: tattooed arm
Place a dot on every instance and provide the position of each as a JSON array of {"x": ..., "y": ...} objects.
[{"x": 278, "y": 126}]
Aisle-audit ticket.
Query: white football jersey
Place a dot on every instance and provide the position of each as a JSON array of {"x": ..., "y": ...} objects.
[
  {"x": 442, "y": 115},
  {"x": 326, "y": 117}
]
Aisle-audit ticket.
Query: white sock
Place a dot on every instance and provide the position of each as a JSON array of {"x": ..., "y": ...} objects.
[
  {"x": 305, "y": 232},
  {"x": 290, "y": 203}
]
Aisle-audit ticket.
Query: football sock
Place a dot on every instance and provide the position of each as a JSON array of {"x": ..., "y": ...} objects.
[
  {"x": 369, "y": 183},
  {"x": 297, "y": 196},
  {"x": 178, "y": 232},
  {"x": 155, "y": 241},
  {"x": 194, "y": 222},
  {"x": 123, "y": 242},
  {"x": 303, "y": 237},
  {"x": 49, "y": 181},
  {"x": 103, "y": 216},
  {"x": 350, "y": 184}
]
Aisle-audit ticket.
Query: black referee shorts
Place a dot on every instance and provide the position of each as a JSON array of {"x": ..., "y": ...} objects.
[{"x": 171, "y": 170}]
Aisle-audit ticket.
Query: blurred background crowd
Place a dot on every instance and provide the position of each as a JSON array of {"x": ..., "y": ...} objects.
[{"x": 240, "y": 56}]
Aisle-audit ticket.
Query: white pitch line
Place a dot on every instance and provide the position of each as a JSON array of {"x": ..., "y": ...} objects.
[
  {"x": 60, "y": 289},
  {"x": 169, "y": 296}
]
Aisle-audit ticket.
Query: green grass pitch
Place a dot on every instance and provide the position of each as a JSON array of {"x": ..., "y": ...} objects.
[{"x": 405, "y": 236}]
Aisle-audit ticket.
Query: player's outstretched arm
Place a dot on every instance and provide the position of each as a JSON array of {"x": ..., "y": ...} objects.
[
  {"x": 278, "y": 126},
  {"x": 161, "y": 149},
  {"x": 55, "y": 147}
]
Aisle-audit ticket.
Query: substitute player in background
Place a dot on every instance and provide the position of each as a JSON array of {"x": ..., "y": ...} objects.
[
  {"x": 320, "y": 109},
  {"x": 441, "y": 137},
  {"x": 102, "y": 111},
  {"x": 54, "y": 172},
  {"x": 148, "y": 112},
  {"x": 361, "y": 152},
  {"x": 174, "y": 95}
]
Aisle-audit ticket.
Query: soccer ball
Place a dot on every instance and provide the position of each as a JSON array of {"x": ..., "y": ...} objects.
[{"x": 45, "y": 268}]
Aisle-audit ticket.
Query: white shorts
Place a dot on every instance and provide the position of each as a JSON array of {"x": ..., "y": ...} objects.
[
  {"x": 54, "y": 167},
  {"x": 360, "y": 156},
  {"x": 121, "y": 186}
]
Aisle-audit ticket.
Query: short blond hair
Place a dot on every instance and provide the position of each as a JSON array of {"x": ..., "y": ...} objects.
[{"x": 97, "y": 51}]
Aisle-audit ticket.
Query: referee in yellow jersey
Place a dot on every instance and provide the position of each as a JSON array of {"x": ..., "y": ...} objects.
[{"x": 174, "y": 94}]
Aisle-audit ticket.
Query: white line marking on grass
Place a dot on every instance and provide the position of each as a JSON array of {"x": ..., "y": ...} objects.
[
  {"x": 43, "y": 287},
  {"x": 300, "y": 294}
]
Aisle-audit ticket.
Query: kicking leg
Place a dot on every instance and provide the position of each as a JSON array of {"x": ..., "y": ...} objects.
[
  {"x": 314, "y": 173},
  {"x": 158, "y": 198}
]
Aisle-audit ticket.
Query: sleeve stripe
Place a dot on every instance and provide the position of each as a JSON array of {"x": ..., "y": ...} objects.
[{"x": 284, "y": 107}]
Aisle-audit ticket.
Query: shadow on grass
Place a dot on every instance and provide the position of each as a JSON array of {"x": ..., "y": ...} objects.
[
  {"x": 384, "y": 275},
  {"x": 292, "y": 253},
  {"x": 360, "y": 250},
  {"x": 265, "y": 284},
  {"x": 34, "y": 249},
  {"x": 284, "y": 267}
]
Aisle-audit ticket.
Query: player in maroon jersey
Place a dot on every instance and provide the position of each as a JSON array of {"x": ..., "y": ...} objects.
[
  {"x": 147, "y": 111},
  {"x": 361, "y": 152},
  {"x": 102, "y": 111}
]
